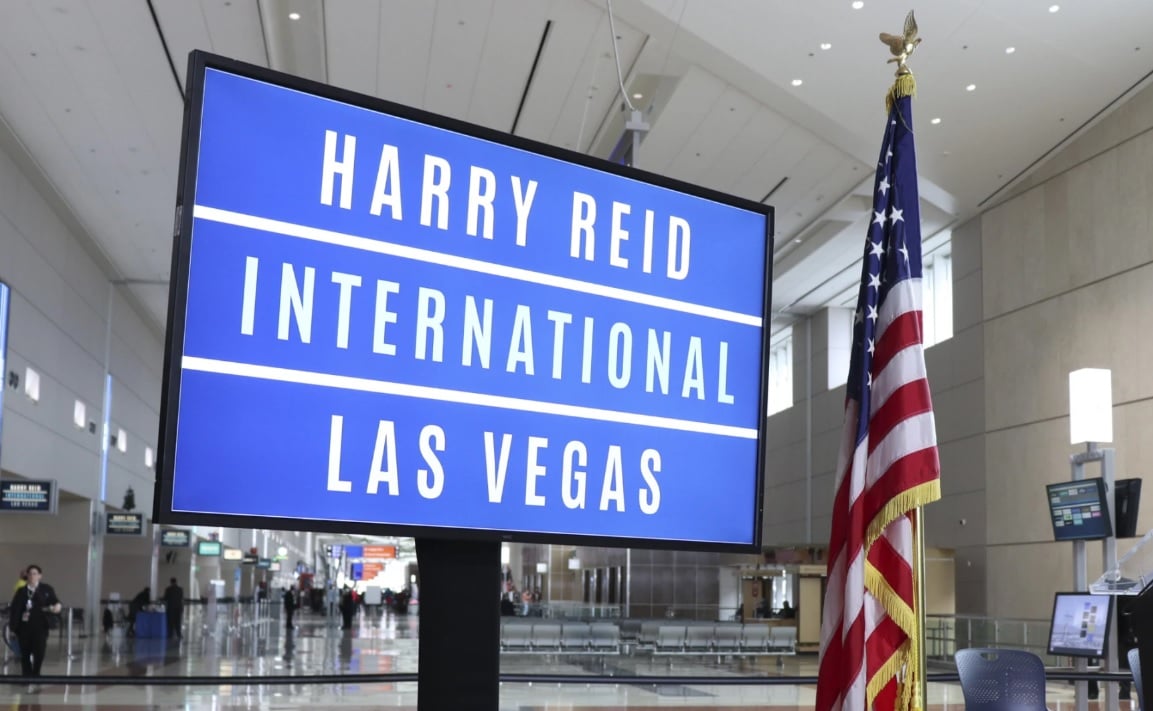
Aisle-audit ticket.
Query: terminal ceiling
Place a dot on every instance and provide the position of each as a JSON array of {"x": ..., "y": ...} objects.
[{"x": 91, "y": 99}]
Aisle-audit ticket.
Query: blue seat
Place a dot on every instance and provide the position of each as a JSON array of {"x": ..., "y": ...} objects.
[
  {"x": 1135, "y": 667},
  {"x": 1001, "y": 680}
]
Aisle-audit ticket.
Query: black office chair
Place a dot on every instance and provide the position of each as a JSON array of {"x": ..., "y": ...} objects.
[
  {"x": 1135, "y": 667},
  {"x": 1001, "y": 680}
]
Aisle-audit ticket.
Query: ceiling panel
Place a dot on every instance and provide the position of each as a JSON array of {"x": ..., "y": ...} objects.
[
  {"x": 458, "y": 40},
  {"x": 576, "y": 26},
  {"x": 678, "y": 118},
  {"x": 352, "y": 29},
  {"x": 762, "y": 128},
  {"x": 404, "y": 42},
  {"x": 727, "y": 116},
  {"x": 503, "y": 66},
  {"x": 226, "y": 27}
]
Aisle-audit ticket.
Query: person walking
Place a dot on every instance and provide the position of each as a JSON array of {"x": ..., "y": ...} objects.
[
  {"x": 174, "y": 608},
  {"x": 28, "y": 619},
  {"x": 289, "y": 607}
]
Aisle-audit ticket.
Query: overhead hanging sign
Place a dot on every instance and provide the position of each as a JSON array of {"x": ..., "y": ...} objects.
[
  {"x": 27, "y": 496},
  {"x": 124, "y": 524},
  {"x": 173, "y": 538},
  {"x": 386, "y": 321}
]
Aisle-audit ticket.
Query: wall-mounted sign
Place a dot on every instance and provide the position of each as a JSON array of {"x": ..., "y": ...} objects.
[
  {"x": 233, "y": 554},
  {"x": 275, "y": 567},
  {"x": 408, "y": 324},
  {"x": 124, "y": 524},
  {"x": 26, "y": 496},
  {"x": 379, "y": 552},
  {"x": 175, "y": 539},
  {"x": 249, "y": 559},
  {"x": 208, "y": 549},
  {"x": 263, "y": 563}
]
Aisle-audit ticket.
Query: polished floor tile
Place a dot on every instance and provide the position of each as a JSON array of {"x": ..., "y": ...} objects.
[{"x": 240, "y": 648}]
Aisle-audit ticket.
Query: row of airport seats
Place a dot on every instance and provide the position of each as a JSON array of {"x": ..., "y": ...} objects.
[
  {"x": 657, "y": 636},
  {"x": 719, "y": 638},
  {"x": 559, "y": 637}
]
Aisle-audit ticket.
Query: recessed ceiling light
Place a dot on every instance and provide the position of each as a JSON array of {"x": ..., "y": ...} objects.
[
  {"x": 858, "y": 5},
  {"x": 638, "y": 95},
  {"x": 826, "y": 45},
  {"x": 1054, "y": 8},
  {"x": 797, "y": 82},
  {"x": 971, "y": 87},
  {"x": 935, "y": 121},
  {"x": 1010, "y": 50},
  {"x": 294, "y": 15}
]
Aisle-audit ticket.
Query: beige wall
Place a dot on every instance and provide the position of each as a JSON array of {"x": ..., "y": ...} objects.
[
  {"x": 1056, "y": 277},
  {"x": 1069, "y": 267}
]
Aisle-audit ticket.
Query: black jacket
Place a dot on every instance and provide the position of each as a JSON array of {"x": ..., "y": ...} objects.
[
  {"x": 43, "y": 598},
  {"x": 174, "y": 598}
]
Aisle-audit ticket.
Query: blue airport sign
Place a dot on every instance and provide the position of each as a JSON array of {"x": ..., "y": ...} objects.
[
  {"x": 28, "y": 496},
  {"x": 383, "y": 320}
]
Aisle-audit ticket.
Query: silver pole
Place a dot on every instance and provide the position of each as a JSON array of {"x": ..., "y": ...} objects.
[
  {"x": 1109, "y": 553},
  {"x": 95, "y": 577},
  {"x": 1080, "y": 584}
]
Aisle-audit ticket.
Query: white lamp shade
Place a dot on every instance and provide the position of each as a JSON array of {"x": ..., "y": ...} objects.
[{"x": 1090, "y": 405}]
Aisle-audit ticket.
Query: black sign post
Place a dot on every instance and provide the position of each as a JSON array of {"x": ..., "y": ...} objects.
[{"x": 459, "y": 648}]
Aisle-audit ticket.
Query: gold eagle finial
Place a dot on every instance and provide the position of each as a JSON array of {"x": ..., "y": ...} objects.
[{"x": 902, "y": 46}]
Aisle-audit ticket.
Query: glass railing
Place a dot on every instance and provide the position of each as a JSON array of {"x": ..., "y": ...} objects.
[{"x": 945, "y": 634}]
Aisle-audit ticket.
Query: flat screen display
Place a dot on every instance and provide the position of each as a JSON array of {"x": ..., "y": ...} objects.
[
  {"x": 1078, "y": 510},
  {"x": 233, "y": 554},
  {"x": 208, "y": 549},
  {"x": 1080, "y": 624},
  {"x": 386, "y": 321}
]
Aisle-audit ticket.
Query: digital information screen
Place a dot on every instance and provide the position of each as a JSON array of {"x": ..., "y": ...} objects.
[
  {"x": 385, "y": 319},
  {"x": 1080, "y": 625},
  {"x": 1078, "y": 510},
  {"x": 26, "y": 496},
  {"x": 208, "y": 549},
  {"x": 175, "y": 539},
  {"x": 233, "y": 554}
]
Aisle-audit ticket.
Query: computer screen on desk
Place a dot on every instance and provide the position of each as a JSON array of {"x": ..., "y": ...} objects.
[
  {"x": 1078, "y": 511},
  {"x": 1080, "y": 624}
]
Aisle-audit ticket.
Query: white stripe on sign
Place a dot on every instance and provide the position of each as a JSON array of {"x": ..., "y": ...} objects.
[
  {"x": 424, "y": 392},
  {"x": 340, "y": 239}
]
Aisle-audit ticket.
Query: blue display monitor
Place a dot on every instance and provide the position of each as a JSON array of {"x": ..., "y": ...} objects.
[
  {"x": 1080, "y": 625},
  {"x": 208, "y": 549},
  {"x": 1078, "y": 510},
  {"x": 386, "y": 321}
]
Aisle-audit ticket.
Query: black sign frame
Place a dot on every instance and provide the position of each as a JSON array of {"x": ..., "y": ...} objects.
[
  {"x": 199, "y": 62},
  {"x": 53, "y": 502}
]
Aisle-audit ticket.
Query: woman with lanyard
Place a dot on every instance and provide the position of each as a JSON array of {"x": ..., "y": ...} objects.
[{"x": 28, "y": 618}]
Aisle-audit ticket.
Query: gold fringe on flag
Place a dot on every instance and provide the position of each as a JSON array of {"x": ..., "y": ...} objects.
[{"x": 905, "y": 85}]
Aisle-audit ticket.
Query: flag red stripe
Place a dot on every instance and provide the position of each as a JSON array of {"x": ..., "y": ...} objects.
[
  {"x": 904, "y": 331},
  {"x": 895, "y": 568},
  {"x": 907, "y": 472},
  {"x": 906, "y": 401}
]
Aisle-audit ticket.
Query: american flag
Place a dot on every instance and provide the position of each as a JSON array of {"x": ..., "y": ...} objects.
[{"x": 888, "y": 462}]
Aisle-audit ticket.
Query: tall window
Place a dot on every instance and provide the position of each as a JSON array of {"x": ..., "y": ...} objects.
[
  {"x": 937, "y": 281},
  {"x": 781, "y": 371}
]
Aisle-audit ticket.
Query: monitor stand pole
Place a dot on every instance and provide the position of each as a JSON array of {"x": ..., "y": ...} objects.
[{"x": 459, "y": 603}]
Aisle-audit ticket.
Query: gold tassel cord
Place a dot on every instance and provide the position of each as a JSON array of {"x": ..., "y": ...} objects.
[{"x": 905, "y": 85}]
